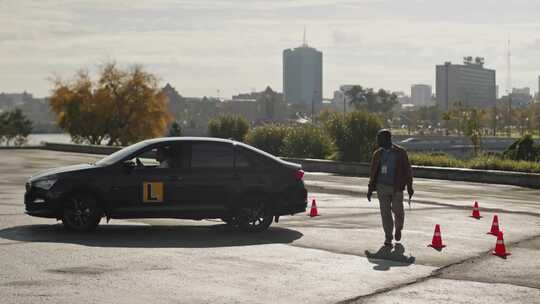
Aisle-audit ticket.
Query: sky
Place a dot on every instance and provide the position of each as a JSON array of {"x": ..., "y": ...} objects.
[{"x": 235, "y": 46}]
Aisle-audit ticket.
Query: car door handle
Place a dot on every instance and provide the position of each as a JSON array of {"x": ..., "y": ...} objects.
[{"x": 176, "y": 178}]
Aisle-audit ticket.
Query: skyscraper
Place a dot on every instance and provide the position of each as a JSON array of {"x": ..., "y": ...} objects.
[
  {"x": 538, "y": 93},
  {"x": 421, "y": 94},
  {"x": 302, "y": 75},
  {"x": 469, "y": 83}
]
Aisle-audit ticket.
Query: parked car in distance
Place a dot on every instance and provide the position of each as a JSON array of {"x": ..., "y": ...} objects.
[{"x": 175, "y": 177}]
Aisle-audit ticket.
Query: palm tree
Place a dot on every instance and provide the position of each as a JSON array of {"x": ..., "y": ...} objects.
[{"x": 446, "y": 116}]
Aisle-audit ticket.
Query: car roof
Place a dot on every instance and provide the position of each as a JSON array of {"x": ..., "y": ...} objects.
[{"x": 188, "y": 138}]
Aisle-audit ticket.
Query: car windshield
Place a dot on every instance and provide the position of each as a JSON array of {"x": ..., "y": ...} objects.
[{"x": 121, "y": 154}]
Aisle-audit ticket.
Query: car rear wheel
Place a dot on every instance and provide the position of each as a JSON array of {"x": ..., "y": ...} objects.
[
  {"x": 255, "y": 218},
  {"x": 81, "y": 213}
]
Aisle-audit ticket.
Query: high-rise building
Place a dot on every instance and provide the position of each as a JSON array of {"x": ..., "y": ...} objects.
[
  {"x": 302, "y": 75},
  {"x": 469, "y": 84},
  {"x": 421, "y": 94},
  {"x": 538, "y": 93}
]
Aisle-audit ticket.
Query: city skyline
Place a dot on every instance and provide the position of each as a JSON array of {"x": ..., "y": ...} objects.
[{"x": 234, "y": 46}]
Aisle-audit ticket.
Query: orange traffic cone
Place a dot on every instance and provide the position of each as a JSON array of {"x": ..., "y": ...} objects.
[
  {"x": 495, "y": 226},
  {"x": 436, "y": 243},
  {"x": 313, "y": 212},
  {"x": 476, "y": 211},
  {"x": 500, "y": 249}
]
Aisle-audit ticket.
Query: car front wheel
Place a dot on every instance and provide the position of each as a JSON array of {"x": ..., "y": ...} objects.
[
  {"x": 255, "y": 218},
  {"x": 81, "y": 213}
]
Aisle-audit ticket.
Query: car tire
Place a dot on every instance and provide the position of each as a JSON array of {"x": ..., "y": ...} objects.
[
  {"x": 255, "y": 218},
  {"x": 81, "y": 213}
]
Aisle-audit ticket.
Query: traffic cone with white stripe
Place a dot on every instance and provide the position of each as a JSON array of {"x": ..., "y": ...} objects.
[
  {"x": 313, "y": 212},
  {"x": 495, "y": 226},
  {"x": 500, "y": 249},
  {"x": 476, "y": 211},
  {"x": 436, "y": 242}
]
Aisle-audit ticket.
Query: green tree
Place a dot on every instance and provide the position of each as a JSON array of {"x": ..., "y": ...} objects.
[
  {"x": 228, "y": 126},
  {"x": 380, "y": 101},
  {"x": 473, "y": 129},
  {"x": 307, "y": 141},
  {"x": 14, "y": 127},
  {"x": 122, "y": 107},
  {"x": 268, "y": 137},
  {"x": 356, "y": 95},
  {"x": 354, "y": 135}
]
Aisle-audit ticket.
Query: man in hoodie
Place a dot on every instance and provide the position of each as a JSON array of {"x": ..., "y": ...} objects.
[{"x": 390, "y": 173}]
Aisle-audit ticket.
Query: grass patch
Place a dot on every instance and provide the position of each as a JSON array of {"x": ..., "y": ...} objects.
[{"x": 482, "y": 162}]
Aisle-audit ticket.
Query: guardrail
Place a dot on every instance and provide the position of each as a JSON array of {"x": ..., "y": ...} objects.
[{"x": 531, "y": 180}]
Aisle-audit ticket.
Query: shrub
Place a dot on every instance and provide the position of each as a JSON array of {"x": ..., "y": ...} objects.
[
  {"x": 306, "y": 141},
  {"x": 268, "y": 137},
  {"x": 523, "y": 149},
  {"x": 228, "y": 126},
  {"x": 485, "y": 162},
  {"x": 436, "y": 160},
  {"x": 14, "y": 126},
  {"x": 353, "y": 135}
]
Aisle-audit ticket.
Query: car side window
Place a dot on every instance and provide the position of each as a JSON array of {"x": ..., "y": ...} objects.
[
  {"x": 211, "y": 155},
  {"x": 161, "y": 157}
]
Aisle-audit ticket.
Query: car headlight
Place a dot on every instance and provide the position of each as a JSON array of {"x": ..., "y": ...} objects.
[{"x": 45, "y": 184}]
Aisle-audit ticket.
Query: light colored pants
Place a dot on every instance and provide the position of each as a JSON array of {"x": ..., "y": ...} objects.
[{"x": 389, "y": 202}]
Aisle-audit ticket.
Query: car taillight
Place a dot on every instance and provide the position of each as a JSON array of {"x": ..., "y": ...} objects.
[{"x": 299, "y": 174}]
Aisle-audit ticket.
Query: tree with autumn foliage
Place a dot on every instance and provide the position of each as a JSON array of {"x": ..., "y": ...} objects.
[{"x": 122, "y": 107}]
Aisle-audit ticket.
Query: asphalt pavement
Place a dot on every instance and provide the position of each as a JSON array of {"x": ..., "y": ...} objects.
[{"x": 335, "y": 257}]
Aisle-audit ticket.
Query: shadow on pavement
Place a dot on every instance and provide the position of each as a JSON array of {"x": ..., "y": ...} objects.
[
  {"x": 387, "y": 257},
  {"x": 142, "y": 236}
]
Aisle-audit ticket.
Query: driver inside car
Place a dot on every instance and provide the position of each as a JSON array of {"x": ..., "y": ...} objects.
[{"x": 163, "y": 157}]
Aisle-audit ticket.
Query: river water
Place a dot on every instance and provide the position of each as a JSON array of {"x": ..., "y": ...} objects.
[{"x": 37, "y": 139}]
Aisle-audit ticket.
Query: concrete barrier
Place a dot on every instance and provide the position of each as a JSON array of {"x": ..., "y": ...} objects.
[{"x": 530, "y": 180}]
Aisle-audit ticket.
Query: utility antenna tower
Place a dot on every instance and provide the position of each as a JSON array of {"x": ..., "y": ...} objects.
[{"x": 509, "y": 89}]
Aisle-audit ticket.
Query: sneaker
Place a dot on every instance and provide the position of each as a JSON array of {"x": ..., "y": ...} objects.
[{"x": 398, "y": 235}]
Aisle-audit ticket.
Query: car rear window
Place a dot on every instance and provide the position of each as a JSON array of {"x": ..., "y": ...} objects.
[{"x": 211, "y": 155}]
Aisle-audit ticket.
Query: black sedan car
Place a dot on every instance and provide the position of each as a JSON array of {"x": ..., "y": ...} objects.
[{"x": 177, "y": 177}]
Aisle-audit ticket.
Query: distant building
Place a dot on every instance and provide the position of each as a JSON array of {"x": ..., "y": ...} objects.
[
  {"x": 468, "y": 83},
  {"x": 302, "y": 76},
  {"x": 421, "y": 94},
  {"x": 521, "y": 97},
  {"x": 538, "y": 92},
  {"x": 257, "y": 107},
  {"x": 522, "y": 91}
]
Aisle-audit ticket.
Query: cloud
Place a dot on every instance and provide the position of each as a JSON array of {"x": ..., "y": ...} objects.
[{"x": 234, "y": 45}]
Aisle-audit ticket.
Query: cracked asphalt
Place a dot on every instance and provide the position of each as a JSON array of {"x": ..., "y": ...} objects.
[{"x": 337, "y": 257}]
